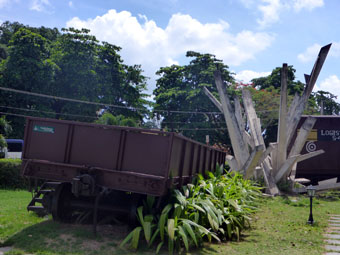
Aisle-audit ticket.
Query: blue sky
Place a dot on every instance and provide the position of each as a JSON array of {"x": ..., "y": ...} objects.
[{"x": 251, "y": 36}]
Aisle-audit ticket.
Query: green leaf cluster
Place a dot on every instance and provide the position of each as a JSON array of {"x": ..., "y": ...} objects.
[
  {"x": 217, "y": 207},
  {"x": 108, "y": 119},
  {"x": 180, "y": 88},
  {"x": 70, "y": 63}
]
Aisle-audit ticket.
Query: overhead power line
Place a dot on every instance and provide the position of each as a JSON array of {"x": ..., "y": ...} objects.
[
  {"x": 112, "y": 105},
  {"x": 100, "y": 104},
  {"x": 47, "y": 112},
  {"x": 177, "y": 129}
]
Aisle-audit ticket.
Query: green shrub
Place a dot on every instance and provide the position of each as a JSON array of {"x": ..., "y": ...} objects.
[
  {"x": 10, "y": 174},
  {"x": 215, "y": 208}
]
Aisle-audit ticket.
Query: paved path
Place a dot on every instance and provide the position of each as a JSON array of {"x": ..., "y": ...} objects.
[
  {"x": 333, "y": 236},
  {"x": 4, "y": 249}
]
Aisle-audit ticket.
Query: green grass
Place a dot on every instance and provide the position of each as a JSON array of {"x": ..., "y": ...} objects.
[
  {"x": 13, "y": 214},
  {"x": 278, "y": 228}
]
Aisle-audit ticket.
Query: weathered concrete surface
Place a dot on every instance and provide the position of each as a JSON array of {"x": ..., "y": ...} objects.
[
  {"x": 332, "y": 248},
  {"x": 332, "y": 236},
  {"x": 334, "y": 221},
  {"x": 333, "y": 241}
]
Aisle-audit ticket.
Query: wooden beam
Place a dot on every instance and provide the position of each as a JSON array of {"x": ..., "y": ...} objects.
[
  {"x": 309, "y": 155},
  {"x": 268, "y": 151},
  {"x": 249, "y": 139},
  {"x": 252, "y": 162},
  {"x": 240, "y": 152},
  {"x": 328, "y": 186},
  {"x": 213, "y": 99},
  {"x": 291, "y": 112},
  {"x": 328, "y": 181},
  {"x": 240, "y": 121},
  {"x": 253, "y": 121},
  {"x": 286, "y": 167},
  {"x": 319, "y": 187},
  {"x": 302, "y": 136},
  {"x": 307, "y": 91},
  {"x": 232, "y": 163},
  {"x": 238, "y": 113},
  {"x": 282, "y": 127},
  {"x": 269, "y": 178}
]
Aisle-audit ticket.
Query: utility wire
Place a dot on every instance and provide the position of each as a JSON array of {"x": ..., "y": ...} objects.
[
  {"x": 63, "y": 114},
  {"x": 100, "y": 104},
  {"x": 111, "y": 105},
  {"x": 177, "y": 129}
]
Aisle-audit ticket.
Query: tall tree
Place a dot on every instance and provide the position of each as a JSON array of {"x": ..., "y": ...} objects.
[
  {"x": 180, "y": 88},
  {"x": 72, "y": 64},
  {"x": 272, "y": 83},
  {"x": 26, "y": 68}
]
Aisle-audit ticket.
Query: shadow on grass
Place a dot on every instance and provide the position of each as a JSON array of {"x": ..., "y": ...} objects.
[{"x": 51, "y": 237}]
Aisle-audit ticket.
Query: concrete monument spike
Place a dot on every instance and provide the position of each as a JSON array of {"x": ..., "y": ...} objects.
[{"x": 250, "y": 151}]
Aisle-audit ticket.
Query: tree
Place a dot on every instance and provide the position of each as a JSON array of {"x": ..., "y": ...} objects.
[
  {"x": 108, "y": 119},
  {"x": 72, "y": 64},
  {"x": 26, "y": 68},
  {"x": 180, "y": 88},
  {"x": 272, "y": 83},
  {"x": 274, "y": 80},
  {"x": 326, "y": 101},
  {"x": 5, "y": 129},
  {"x": 120, "y": 84}
]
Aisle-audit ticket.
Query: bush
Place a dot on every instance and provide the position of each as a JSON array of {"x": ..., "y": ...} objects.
[
  {"x": 216, "y": 208},
  {"x": 10, "y": 174}
]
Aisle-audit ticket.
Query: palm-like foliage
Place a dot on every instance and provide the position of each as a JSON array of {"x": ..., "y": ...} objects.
[{"x": 217, "y": 207}]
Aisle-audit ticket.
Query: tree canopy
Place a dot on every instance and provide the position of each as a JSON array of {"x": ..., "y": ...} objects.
[
  {"x": 180, "y": 88},
  {"x": 70, "y": 64}
]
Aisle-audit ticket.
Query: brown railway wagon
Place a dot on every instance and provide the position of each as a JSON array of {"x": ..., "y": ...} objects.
[
  {"x": 324, "y": 135},
  {"x": 82, "y": 161}
]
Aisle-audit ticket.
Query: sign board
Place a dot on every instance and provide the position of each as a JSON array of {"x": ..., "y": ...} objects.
[{"x": 43, "y": 129}]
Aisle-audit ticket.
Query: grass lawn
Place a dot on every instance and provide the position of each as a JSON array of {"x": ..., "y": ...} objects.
[{"x": 278, "y": 228}]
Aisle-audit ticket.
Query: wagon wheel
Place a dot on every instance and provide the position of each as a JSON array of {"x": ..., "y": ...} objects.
[{"x": 61, "y": 208}]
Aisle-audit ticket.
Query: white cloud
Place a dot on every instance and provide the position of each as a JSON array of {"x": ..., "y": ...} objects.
[
  {"x": 143, "y": 42},
  {"x": 270, "y": 12},
  {"x": 311, "y": 52},
  {"x": 4, "y": 3},
  {"x": 70, "y": 4},
  {"x": 307, "y": 4},
  {"x": 330, "y": 84},
  {"x": 247, "y": 75},
  {"x": 40, "y": 5}
]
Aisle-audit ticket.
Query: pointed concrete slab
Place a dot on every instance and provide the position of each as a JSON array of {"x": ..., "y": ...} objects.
[
  {"x": 334, "y": 225},
  {"x": 332, "y": 236},
  {"x": 334, "y": 221},
  {"x": 332, "y": 247},
  {"x": 332, "y": 253},
  {"x": 335, "y": 242},
  {"x": 334, "y": 228}
]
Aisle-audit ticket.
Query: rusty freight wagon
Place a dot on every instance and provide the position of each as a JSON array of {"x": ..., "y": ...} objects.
[
  {"x": 91, "y": 167},
  {"x": 325, "y": 135}
]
